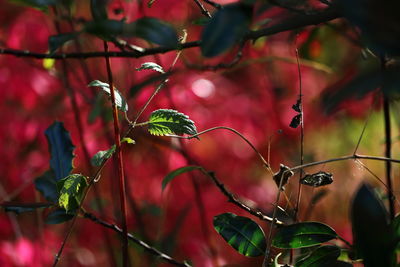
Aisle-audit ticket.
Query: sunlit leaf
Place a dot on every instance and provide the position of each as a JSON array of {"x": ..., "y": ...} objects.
[
  {"x": 317, "y": 179},
  {"x": 119, "y": 99},
  {"x": 56, "y": 41},
  {"x": 61, "y": 150},
  {"x": 71, "y": 189},
  {"x": 322, "y": 256},
  {"x": 151, "y": 66},
  {"x": 170, "y": 176},
  {"x": 373, "y": 237},
  {"x": 23, "y": 207},
  {"x": 226, "y": 27},
  {"x": 304, "y": 234},
  {"x": 59, "y": 216},
  {"x": 46, "y": 184},
  {"x": 241, "y": 233},
  {"x": 168, "y": 121}
]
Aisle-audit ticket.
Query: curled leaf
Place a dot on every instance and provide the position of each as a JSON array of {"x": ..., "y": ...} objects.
[
  {"x": 151, "y": 66},
  {"x": 177, "y": 172},
  {"x": 317, "y": 179}
]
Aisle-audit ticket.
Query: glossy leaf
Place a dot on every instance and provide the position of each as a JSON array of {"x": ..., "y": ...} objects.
[
  {"x": 71, "y": 189},
  {"x": 59, "y": 216},
  {"x": 170, "y": 176},
  {"x": 322, "y": 256},
  {"x": 61, "y": 150},
  {"x": 46, "y": 184},
  {"x": 56, "y": 41},
  {"x": 23, "y": 207},
  {"x": 241, "y": 233},
  {"x": 119, "y": 99},
  {"x": 168, "y": 121},
  {"x": 151, "y": 66},
  {"x": 373, "y": 237},
  {"x": 304, "y": 234},
  {"x": 226, "y": 27},
  {"x": 317, "y": 179}
]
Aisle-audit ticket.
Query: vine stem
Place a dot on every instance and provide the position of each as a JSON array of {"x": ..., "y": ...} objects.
[{"x": 118, "y": 153}]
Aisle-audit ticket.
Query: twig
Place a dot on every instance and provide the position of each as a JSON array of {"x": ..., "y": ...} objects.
[
  {"x": 211, "y": 3},
  {"x": 204, "y": 11},
  {"x": 139, "y": 242}
]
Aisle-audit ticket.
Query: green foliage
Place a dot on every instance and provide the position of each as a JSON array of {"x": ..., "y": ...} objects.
[
  {"x": 227, "y": 26},
  {"x": 170, "y": 176},
  {"x": 322, "y": 256},
  {"x": 46, "y": 184},
  {"x": 61, "y": 150},
  {"x": 103, "y": 155},
  {"x": 56, "y": 41},
  {"x": 151, "y": 66},
  {"x": 71, "y": 190},
  {"x": 59, "y": 216},
  {"x": 119, "y": 99},
  {"x": 168, "y": 121},
  {"x": 374, "y": 239},
  {"x": 241, "y": 233},
  {"x": 304, "y": 234}
]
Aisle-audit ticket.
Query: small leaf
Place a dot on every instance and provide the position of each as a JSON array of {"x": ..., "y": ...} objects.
[
  {"x": 150, "y": 3},
  {"x": 373, "y": 237},
  {"x": 317, "y": 179},
  {"x": 56, "y": 41},
  {"x": 59, "y": 216},
  {"x": 322, "y": 256},
  {"x": 296, "y": 107},
  {"x": 304, "y": 234},
  {"x": 102, "y": 155},
  {"x": 295, "y": 121},
  {"x": 241, "y": 233},
  {"x": 170, "y": 176},
  {"x": 119, "y": 99},
  {"x": 284, "y": 173},
  {"x": 151, "y": 66},
  {"x": 46, "y": 184},
  {"x": 23, "y": 207},
  {"x": 226, "y": 27},
  {"x": 71, "y": 190},
  {"x": 128, "y": 140},
  {"x": 168, "y": 121},
  {"x": 61, "y": 150}
]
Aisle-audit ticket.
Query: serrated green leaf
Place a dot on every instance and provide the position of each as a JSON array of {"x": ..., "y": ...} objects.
[
  {"x": 151, "y": 66},
  {"x": 170, "y": 176},
  {"x": 304, "y": 234},
  {"x": 59, "y": 216},
  {"x": 322, "y": 256},
  {"x": 71, "y": 189},
  {"x": 226, "y": 27},
  {"x": 61, "y": 150},
  {"x": 119, "y": 99},
  {"x": 23, "y": 207},
  {"x": 243, "y": 234},
  {"x": 56, "y": 41},
  {"x": 169, "y": 121},
  {"x": 46, "y": 184}
]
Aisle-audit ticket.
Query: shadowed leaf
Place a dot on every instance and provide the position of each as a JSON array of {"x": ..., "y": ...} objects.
[
  {"x": 322, "y": 256},
  {"x": 119, "y": 99},
  {"x": 23, "y": 207},
  {"x": 170, "y": 176},
  {"x": 46, "y": 184},
  {"x": 59, "y": 216},
  {"x": 56, "y": 41}
]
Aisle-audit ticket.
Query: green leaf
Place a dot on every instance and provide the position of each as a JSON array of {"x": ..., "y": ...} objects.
[
  {"x": 119, "y": 99},
  {"x": 61, "y": 150},
  {"x": 103, "y": 155},
  {"x": 241, "y": 233},
  {"x": 304, "y": 234},
  {"x": 227, "y": 26},
  {"x": 128, "y": 140},
  {"x": 201, "y": 21},
  {"x": 151, "y": 66},
  {"x": 155, "y": 31},
  {"x": 59, "y": 216},
  {"x": 46, "y": 184},
  {"x": 373, "y": 237},
  {"x": 23, "y": 207},
  {"x": 168, "y": 121},
  {"x": 56, "y": 41},
  {"x": 71, "y": 190},
  {"x": 322, "y": 256},
  {"x": 170, "y": 176}
]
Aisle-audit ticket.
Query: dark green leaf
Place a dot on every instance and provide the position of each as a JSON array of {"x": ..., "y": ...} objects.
[
  {"x": 317, "y": 179},
  {"x": 155, "y": 31},
  {"x": 295, "y": 121},
  {"x": 241, "y": 233},
  {"x": 59, "y": 216},
  {"x": 227, "y": 26},
  {"x": 321, "y": 257},
  {"x": 71, "y": 189},
  {"x": 102, "y": 155},
  {"x": 151, "y": 66},
  {"x": 56, "y": 41},
  {"x": 201, "y": 21},
  {"x": 98, "y": 9},
  {"x": 61, "y": 150},
  {"x": 119, "y": 99},
  {"x": 373, "y": 237},
  {"x": 23, "y": 207},
  {"x": 168, "y": 121},
  {"x": 46, "y": 184},
  {"x": 170, "y": 176},
  {"x": 304, "y": 234}
]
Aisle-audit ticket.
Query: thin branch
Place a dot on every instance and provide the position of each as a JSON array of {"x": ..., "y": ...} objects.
[
  {"x": 137, "y": 241},
  {"x": 204, "y": 11},
  {"x": 213, "y": 4}
]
